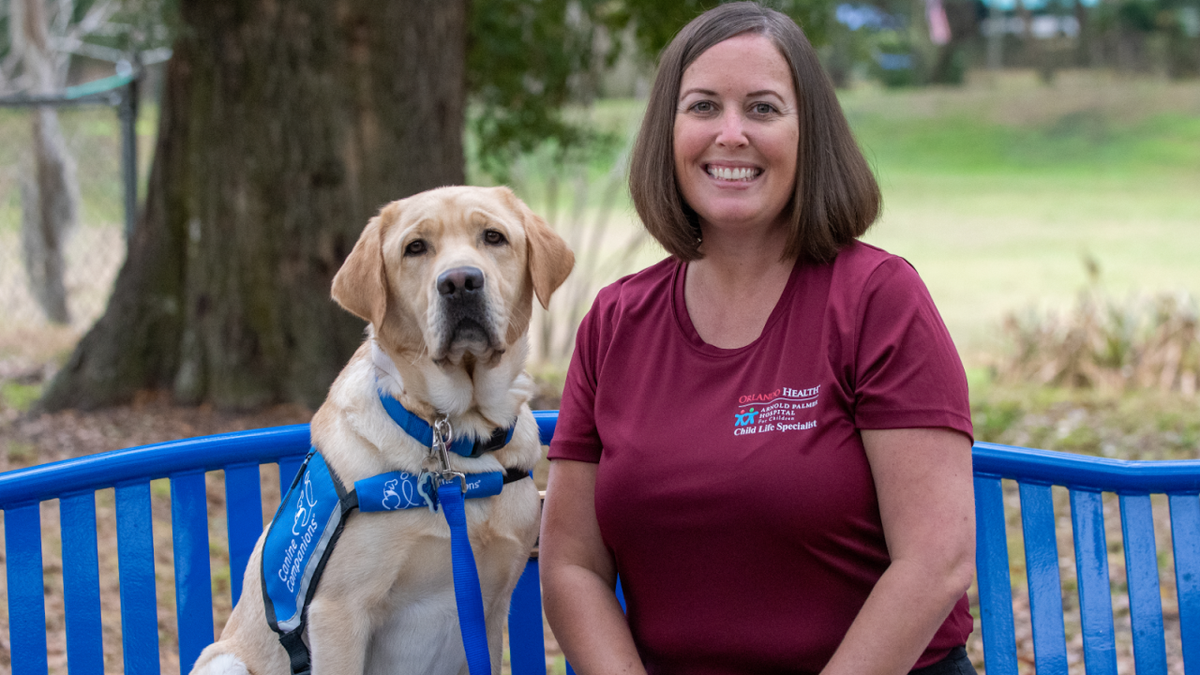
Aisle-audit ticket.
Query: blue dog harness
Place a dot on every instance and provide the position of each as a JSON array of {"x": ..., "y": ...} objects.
[{"x": 313, "y": 513}]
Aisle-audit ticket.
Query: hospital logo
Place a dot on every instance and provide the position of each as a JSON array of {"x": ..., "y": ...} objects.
[
  {"x": 783, "y": 409},
  {"x": 745, "y": 419}
]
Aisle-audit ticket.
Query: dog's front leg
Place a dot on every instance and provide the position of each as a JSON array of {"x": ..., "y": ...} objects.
[
  {"x": 338, "y": 634},
  {"x": 495, "y": 635}
]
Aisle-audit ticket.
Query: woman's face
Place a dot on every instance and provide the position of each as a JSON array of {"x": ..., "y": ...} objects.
[{"x": 736, "y": 134}]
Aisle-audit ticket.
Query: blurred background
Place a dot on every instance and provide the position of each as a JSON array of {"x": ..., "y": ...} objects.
[{"x": 1039, "y": 161}]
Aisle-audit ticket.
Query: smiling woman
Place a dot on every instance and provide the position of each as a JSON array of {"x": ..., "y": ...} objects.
[
  {"x": 835, "y": 197},
  {"x": 817, "y": 513}
]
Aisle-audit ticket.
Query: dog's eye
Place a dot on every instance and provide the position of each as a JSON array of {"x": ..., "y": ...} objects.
[
  {"x": 495, "y": 238},
  {"x": 417, "y": 247}
]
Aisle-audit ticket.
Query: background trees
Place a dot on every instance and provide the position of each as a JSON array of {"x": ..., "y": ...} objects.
[{"x": 285, "y": 125}]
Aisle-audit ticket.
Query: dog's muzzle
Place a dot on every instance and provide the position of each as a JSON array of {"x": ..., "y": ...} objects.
[{"x": 465, "y": 316}]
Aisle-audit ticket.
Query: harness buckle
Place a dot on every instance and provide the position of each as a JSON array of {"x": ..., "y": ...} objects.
[{"x": 443, "y": 436}]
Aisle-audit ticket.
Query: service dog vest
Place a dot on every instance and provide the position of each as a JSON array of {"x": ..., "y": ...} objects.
[{"x": 309, "y": 521}]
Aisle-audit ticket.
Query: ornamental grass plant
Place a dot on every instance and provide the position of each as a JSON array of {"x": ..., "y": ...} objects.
[{"x": 1141, "y": 342}]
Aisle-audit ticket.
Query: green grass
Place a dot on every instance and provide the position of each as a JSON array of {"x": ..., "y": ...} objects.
[
  {"x": 997, "y": 192},
  {"x": 1080, "y": 144},
  {"x": 18, "y": 396}
]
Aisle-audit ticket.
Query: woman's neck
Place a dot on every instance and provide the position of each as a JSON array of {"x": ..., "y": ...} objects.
[{"x": 730, "y": 297}]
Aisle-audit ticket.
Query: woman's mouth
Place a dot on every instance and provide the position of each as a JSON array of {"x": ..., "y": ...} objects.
[{"x": 741, "y": 173}]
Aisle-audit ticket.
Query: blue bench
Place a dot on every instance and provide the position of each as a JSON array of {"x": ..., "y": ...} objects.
[{"x": 1041, "y": 479}]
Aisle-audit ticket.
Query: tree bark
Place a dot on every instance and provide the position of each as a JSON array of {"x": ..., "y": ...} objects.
[{"x": 285, "y": 125}]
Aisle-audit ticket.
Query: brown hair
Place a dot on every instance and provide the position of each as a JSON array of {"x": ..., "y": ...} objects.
[{"x": 836, "y": 197}]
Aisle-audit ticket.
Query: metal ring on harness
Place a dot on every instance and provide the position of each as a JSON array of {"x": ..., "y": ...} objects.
[{"x": 443, "y": 436}]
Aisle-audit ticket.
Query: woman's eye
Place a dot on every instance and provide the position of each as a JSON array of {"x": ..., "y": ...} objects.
[
  {"x": 417, "y": 247},
  {"x": 702, "y": 107},
  {"x": 762, "y": 108},
  {"x": 494, "y": 238}
]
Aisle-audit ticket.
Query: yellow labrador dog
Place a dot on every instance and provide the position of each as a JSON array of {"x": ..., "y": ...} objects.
[{"x": 446, "y": 279}]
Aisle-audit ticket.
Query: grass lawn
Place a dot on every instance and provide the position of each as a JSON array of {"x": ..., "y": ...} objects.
[{"x": 997, "y": 192}]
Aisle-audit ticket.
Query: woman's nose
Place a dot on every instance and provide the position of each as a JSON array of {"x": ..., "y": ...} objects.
[{"x": 732, "y": 131}]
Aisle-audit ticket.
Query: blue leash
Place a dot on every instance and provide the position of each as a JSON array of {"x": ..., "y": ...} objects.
[{"x": 467, "y": 593}]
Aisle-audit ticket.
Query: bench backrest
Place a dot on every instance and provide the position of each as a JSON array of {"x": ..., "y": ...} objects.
[
  {"x": 74, "y": 483},
  {"x": 1038, "y": 475}
]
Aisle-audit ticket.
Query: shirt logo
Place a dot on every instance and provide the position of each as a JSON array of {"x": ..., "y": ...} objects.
[
  {"x": 745, "y": 418},
  {"x": 781, "y": 410}
]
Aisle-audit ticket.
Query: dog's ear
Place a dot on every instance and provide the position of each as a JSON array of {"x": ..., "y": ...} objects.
[
  {"x": 549, "y": 259},
  {"x": 360, "y": 286}
]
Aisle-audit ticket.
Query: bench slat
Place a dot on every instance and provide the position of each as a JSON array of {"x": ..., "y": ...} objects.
[
  {"x": 1141, "y": 571},
  {"x": 26, "y": 594},
  {"x": 193, "y": 576},
  {"x": 81, "y": 583},
  {"x": 1185, "y": 536},
  {"x": 995, "y": 585},
  {"x": 243, "y": 520},
  {"x": 1045, "y": 584},
  {"x": 135, "y": 557},
  {"x": 1095, "y": 594}
]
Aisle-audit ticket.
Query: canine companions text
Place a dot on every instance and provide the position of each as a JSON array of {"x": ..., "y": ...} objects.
[{"x": 446, "y": 279}]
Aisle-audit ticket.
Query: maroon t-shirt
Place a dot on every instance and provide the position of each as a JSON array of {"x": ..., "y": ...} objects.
[{"x": 732, "y": 488}]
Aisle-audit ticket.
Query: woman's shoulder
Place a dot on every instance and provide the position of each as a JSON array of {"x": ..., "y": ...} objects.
[
  {"x": 859, "y": 255},
  {"x": 861, "y": 264}
]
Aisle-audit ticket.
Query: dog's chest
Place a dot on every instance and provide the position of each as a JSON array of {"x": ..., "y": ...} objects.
[{"x": 404, "y": 556}]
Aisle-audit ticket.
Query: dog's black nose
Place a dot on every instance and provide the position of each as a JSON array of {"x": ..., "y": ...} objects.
[{"x": 460, "y": 281}]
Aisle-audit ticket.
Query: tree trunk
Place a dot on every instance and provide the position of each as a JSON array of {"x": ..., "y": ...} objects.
[
  {"x": 284, "y": 127},
  {"x": 49, "y": 214}
]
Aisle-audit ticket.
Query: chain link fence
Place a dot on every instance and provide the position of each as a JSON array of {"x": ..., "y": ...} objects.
[{"x": 95, "y": 248}]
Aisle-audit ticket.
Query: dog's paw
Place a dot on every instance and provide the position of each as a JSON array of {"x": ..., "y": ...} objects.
[{"x": 222, "y": 664}]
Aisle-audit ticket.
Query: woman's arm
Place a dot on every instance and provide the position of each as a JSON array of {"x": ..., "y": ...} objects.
[
  {"x": 578, "y": 576},
  {"x": 925, "y": 487}
]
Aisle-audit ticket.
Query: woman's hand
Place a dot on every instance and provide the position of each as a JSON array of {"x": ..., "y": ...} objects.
[
  {"x": 924, "y": 482},
  {"x": 579, "y": 577}
]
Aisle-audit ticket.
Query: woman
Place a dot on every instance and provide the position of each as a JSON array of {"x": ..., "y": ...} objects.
[{"x": 767, "y": 435}]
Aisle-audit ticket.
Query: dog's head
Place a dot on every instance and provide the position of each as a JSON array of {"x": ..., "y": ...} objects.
[{"x": 452, "y": 271}]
